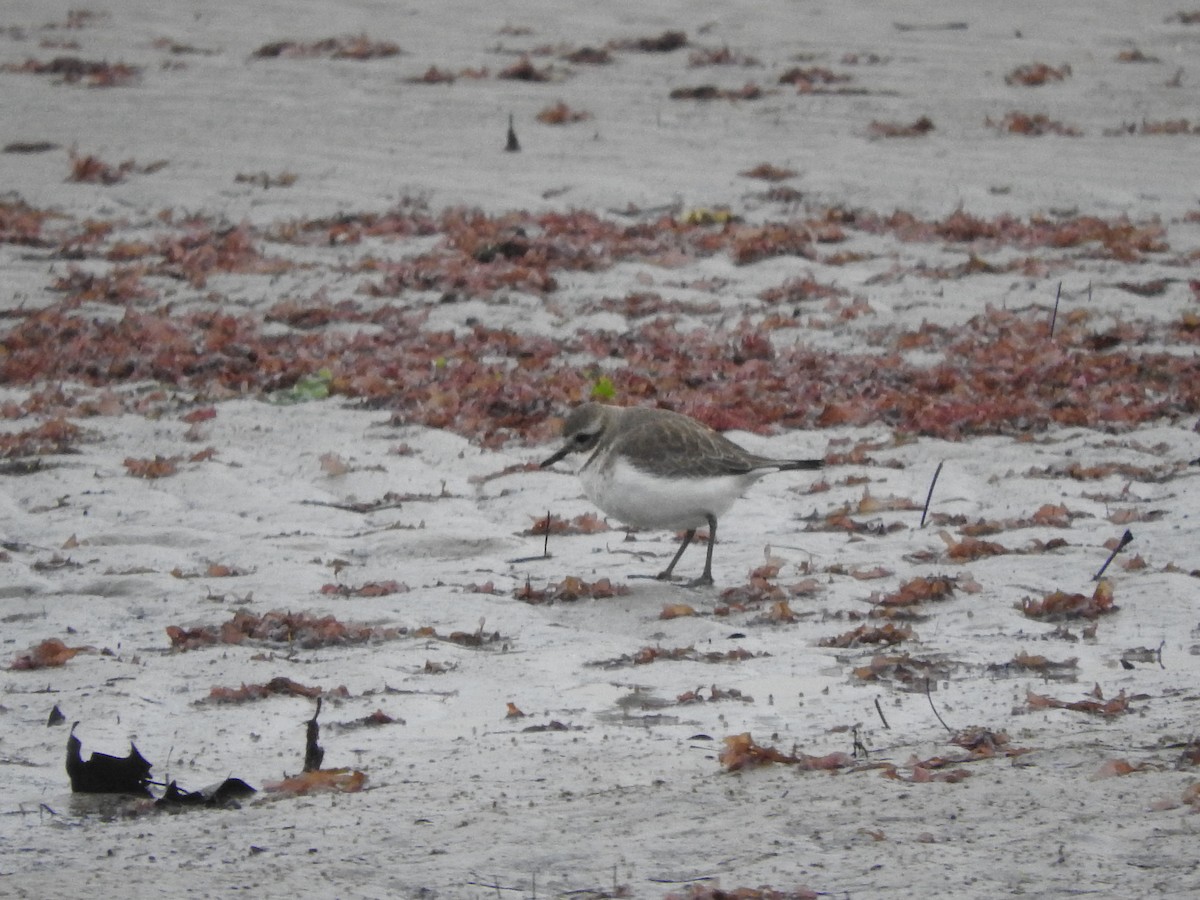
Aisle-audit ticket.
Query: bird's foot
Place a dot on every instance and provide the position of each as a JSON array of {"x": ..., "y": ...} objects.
[{"x": 704, "y": 580}]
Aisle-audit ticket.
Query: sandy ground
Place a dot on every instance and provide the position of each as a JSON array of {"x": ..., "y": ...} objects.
[{"x": 628, "y": 797}]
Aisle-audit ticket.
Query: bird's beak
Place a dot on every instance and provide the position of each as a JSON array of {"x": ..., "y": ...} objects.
[{"x": 563, "y": 451}]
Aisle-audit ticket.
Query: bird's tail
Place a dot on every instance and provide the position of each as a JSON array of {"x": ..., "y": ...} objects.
[{"x": 786, "y": 465}]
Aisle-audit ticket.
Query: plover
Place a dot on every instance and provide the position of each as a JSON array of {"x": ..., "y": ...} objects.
[{"x": 652, "y": 468}]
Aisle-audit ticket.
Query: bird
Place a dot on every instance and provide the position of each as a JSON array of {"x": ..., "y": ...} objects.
[{"x": 654, "y": 468}]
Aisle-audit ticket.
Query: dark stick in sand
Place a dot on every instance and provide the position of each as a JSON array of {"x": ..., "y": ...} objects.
[
  {"x": 929, "y": 496},
  {"x": 929, "y": 697},
  {"x": 882, "y": 718},
  {"x": 1126, "y": 538},
  {"x": 512, "y": 145},
  {"x": 1054, "y": 315},
  {"x": 313, "y": 752}
]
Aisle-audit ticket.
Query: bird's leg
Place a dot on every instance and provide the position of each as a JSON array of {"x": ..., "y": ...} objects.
[
  {"x": 707, "y": 579},
  {"x": 665, "y": 574}
]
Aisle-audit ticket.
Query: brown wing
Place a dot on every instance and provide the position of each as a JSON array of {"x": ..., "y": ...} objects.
[{"x": 677, "y": 447}]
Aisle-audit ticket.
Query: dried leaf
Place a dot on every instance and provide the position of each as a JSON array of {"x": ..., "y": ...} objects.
[
  {"x": 866, "y": 634},
  {"x": 741, "y": 752},
  {"x": 159, "y": 467},
  {"x": 48, "y": 654},
  {"x": 345, "y": 781},
  {"x": 1098, "y": 705},
  {"x": 1060, "y": 605}
]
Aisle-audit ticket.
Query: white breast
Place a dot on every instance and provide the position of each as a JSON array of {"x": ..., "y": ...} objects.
[{"x": 645, "y": 501}]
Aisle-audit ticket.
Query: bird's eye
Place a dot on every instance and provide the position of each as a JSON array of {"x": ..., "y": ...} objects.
[{"x": 581, "y": 438}]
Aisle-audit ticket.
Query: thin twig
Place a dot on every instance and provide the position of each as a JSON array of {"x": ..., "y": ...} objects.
[
  {"x": 882, "y": 718},
  {"x": 1054, "y": 315},
  {"x": 1126, "y": 538},
  {"x": 545, "y": 545},
  {"x": 929, "y": 697},
  {"x": 929, "y": 496},
  {"x": 494, "y": 885}
]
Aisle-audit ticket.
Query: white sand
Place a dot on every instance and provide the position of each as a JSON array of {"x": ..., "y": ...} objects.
[{"x": 461, "y": 802}]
